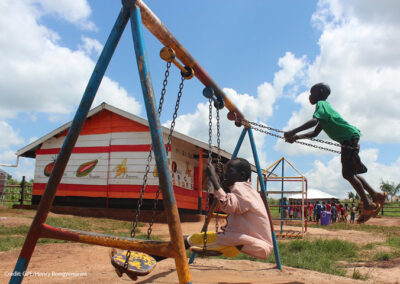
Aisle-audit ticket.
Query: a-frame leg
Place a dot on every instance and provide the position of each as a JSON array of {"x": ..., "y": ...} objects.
[
  {"x": 66, "y": 149},
  {"x": 165, "y": 180},
  {"x": 264, "y": 197}
]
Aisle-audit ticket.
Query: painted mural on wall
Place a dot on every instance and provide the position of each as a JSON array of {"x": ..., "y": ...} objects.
[
  {"x": 86, "y": 168},
  {"x": 182, "y": 168},
  {"x": 121, "y": 169},
  {"x": 49, "y": 168}
]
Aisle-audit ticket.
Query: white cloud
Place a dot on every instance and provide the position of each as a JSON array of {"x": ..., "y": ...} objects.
[
  {"x": 8, "y": 137},
  {"x": 76, "y": 12},
  {"x": 91, "y": 46},
  {"x": 38, "y": 74},
  {"x": 257, "y": 108},
  {"x": 359, "y": 58}
]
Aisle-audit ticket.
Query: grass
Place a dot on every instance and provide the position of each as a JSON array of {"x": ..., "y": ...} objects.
[
  {"x": 362, "y": 227},
  {"x": 19, "y": 230},
  {"x": 12, "y": 237},
  {"x": 358, "y": 275},
  {"x": 315, "y": 254},
  {"x": 393, "y": 241},
  {"x": 393, "y": 211},
  {"x": 319, "y": 255},
  {"x": 384, "y": 256}
]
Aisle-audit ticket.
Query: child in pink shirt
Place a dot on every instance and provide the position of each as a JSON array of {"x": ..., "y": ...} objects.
[{"x": 248, "y": 226}]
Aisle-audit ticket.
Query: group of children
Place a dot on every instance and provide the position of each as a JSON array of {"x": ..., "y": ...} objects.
[
  {"x": 248, "y": 226},
  {"x": 339, "y": 212}
]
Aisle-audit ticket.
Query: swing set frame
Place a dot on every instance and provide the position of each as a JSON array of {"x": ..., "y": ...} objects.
[{"x": 138, "y": 13}]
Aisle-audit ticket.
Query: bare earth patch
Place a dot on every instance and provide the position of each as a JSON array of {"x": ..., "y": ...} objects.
[
  {"x": 64, "y": 263},
  {"x": 55, "y": 263}
]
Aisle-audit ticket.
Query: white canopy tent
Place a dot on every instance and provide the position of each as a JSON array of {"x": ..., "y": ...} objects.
[{"x": 315, "y": 195}]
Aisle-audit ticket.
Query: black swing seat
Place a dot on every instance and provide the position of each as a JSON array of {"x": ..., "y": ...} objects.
[
  {"x": 202, "y": 252},
  {"x": 139, "y": 264}
]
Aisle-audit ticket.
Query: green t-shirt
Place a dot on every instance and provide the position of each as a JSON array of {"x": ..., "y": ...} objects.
[{"x": 333, "y": 124}]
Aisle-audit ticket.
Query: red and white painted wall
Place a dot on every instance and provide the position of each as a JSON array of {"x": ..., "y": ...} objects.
[{"x": 109, "y": 159}]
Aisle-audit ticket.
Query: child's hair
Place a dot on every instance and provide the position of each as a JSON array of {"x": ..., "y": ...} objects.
[
  {"x": 322, "y": 90},
  {"x": 243, "y": 166}
]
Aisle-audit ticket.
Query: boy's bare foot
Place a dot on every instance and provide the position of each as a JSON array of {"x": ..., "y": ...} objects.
[{"x": 368, "y": 213}]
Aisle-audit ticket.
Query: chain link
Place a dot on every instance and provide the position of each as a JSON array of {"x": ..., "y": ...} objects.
[
  {"x": 209, "y": 162},
  {"x": 258, "y": 126},
  {"x": 147, "y": 170},
  {"x": 299, "y": 142},
  {"x": 171, "y": 131},
  {"x": 219, "y": 164}
]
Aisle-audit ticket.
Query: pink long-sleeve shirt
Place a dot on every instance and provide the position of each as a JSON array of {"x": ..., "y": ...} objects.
[{"x": 248, "y": 223}]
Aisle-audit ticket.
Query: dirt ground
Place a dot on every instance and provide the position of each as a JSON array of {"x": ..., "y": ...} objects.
[{"x": 64, "y": 263}]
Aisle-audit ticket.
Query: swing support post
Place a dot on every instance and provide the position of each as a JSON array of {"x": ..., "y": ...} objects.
[
  {"x": 264, "y": 196},
  {"x": 165, "y": 181},
  {"x": 66, "y": 149}
]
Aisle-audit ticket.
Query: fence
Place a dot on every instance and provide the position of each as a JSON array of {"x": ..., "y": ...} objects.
[
  {"x": 17, "y": 193},
  {"x": 391, "y": 209}
]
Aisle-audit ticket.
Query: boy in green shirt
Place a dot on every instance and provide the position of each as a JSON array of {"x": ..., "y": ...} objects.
[{"x": 327, "y": 119}]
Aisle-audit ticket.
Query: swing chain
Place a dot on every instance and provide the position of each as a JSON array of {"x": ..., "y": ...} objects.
[
  {"x": 252, "y": 124},
  {"x": 298, "y": 142},
  {"x": 147, "y": 169},
  {"x": 209, "y": 162},
  {"x": 171, "y": 130},
  {"x": 219, "y": 164}
]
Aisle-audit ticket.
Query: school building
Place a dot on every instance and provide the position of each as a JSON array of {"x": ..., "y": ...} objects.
[{"x": 108, "y": 162}]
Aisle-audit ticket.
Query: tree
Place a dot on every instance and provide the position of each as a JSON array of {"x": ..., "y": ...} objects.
[
  {"x": 351, "y": 196},
  {"x": 390, "y": 188}
]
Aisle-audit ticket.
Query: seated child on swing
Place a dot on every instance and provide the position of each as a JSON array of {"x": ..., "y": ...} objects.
[{"x": 248, "y": 226}]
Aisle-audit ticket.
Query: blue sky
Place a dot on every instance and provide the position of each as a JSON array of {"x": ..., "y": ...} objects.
[{"x": 264, "y": 54}]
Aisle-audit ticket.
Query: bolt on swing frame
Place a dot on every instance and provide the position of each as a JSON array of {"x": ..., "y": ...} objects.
[{"x": 139, "y": 13}]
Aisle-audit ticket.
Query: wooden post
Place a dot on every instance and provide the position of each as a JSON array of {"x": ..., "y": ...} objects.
[
  {"x": 21, "y": 201},
  {"x": 200, "y": 181}
]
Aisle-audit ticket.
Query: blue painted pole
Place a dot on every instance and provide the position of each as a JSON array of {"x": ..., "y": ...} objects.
[
  {"x": 66, "y": 149},
  {"x": 282, "y": 188},
  {"x": 239, "y": 143},
  {"x": 260, "y": 176},
  {"x": 165, "y": 181}
]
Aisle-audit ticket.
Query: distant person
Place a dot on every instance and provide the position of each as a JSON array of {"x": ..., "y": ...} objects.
[
  {"x": 339, "y": 212},
  {"x": 342, "y": 212},
  {"x": 334, "y": 213},
  {"x": 328, "y": 206},
  {"x": 323, "y": 206},
  {"x": 346, "y": 212},
  {"x": 315, "y": 212},
  {"x": 285, "y": 209},
  {"x": 291, "y": 210},
  {"x": 310, "y": 211},
  {"x": 327, "y": 119},
  {"x": 319, "y": 210},
  {"x": 352, "y": 213},
  {"x": 298, "y": 210}
]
